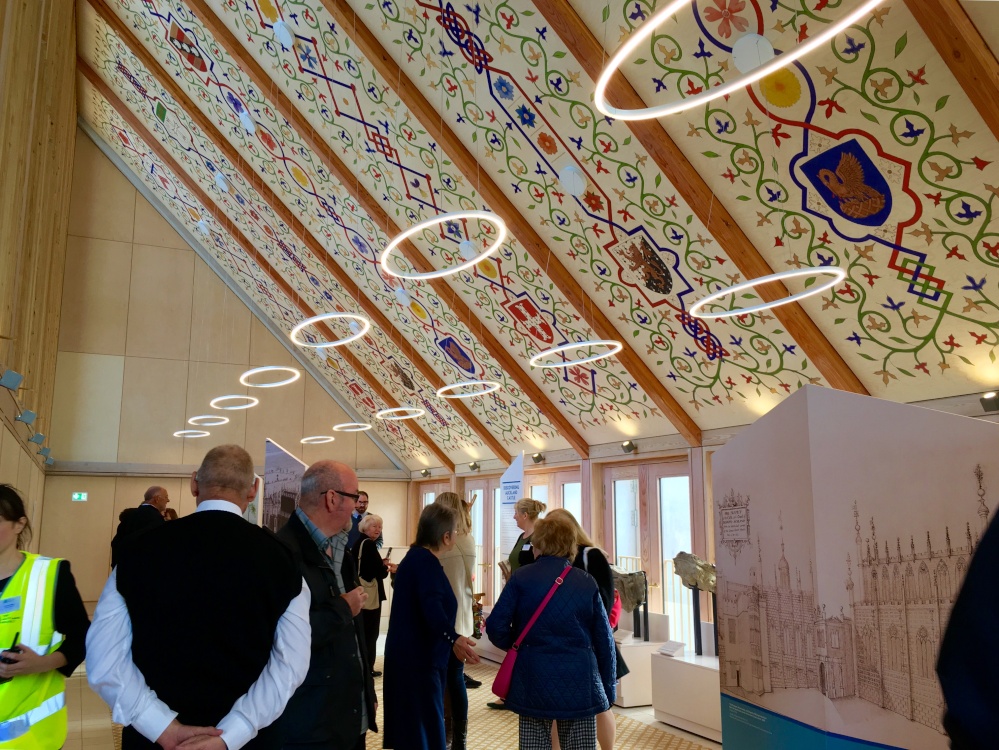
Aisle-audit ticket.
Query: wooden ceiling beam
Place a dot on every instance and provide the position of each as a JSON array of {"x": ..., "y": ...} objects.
[
  {"x": 295, "y": 225},
  {"x": 966, "y": 53},
  {"x": 164, "y": 155},
  {"x": 690, "y": 186},
  {"x": 376, "y": 211},
  {"x": 519, "y": 224}
]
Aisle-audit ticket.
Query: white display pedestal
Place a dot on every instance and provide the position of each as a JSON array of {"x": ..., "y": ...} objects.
[
  {"x": 686, "y": 693},
  {"x": 635, "y": 688},
  {"x": 485, "y": 648}
]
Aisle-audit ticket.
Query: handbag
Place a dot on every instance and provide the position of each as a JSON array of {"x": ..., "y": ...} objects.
[
  {"x": 370, "y": 587},
  {"x": 614, "y": 615},
  {"x": 501, "y": 685}
]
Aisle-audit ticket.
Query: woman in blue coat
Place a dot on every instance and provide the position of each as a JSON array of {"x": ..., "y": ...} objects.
[
  {"x": 565, "y": 668},
  {"x": 420, "y": 636}
]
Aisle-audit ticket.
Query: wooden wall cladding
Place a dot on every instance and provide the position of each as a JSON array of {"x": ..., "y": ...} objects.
[{"x": 38, "y": 123}]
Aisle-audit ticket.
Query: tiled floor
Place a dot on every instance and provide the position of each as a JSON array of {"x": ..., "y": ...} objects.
[{"x": 90, "y": 719}]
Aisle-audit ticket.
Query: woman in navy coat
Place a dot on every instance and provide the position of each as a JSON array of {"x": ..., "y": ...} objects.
[
  {"x": 565, "y": 668},
  {"x": 420, "y": 636}
]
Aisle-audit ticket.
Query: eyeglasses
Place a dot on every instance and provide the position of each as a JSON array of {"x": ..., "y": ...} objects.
[{"x": 351, "y": 495}]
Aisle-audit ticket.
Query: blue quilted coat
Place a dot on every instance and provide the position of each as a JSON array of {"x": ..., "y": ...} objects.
[{"x": 565, "y": 668}]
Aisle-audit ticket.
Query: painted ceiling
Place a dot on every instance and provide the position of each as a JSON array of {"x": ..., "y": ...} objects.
[{"x": 294, "y": 166}]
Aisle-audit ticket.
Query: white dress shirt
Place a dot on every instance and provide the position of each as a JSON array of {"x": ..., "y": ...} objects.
[{"x": 113, "y": 674}]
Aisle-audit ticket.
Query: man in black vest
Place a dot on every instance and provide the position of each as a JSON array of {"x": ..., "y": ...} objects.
[
  {"x": 135, "y": 521},
  {"x": 203, "y": 625},
  {"x": 335, "y": 705}
]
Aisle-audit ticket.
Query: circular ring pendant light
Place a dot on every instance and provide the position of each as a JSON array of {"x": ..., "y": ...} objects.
[
  {"x": 245, "y": 377},
  {"x": 351, "y": 427},
  {"x": 249, "y": 401},
  {"x": 355, "y": 335},
  {"x": 837, "y": 274},
  {"x": 485, "y": 386},
  {"x": 454, "y": 216},
  {"x": 709, "y": 94},
  {"x": 208, "y": 420},
  {"x": 399, "y": 413},
  {"x": 191, "y": 433},
  {"x": 317, "y": 440},
  {"x": 613, "y": 347}
]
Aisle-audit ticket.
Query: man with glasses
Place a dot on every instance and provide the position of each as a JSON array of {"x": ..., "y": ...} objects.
[
  {"x": 360, "y": 511},
  {"x": 335, "y": 706}
]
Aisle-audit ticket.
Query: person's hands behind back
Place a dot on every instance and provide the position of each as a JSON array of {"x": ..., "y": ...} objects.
[{"x": 180, "y": 735}]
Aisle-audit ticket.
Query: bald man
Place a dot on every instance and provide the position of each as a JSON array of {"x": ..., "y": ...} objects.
[
  {"x": 335, "y": 706},
  {"x": 136, "y": 521}
]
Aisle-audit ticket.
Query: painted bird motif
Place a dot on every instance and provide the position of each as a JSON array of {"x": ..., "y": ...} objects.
[{"x": 857, "y": 200}]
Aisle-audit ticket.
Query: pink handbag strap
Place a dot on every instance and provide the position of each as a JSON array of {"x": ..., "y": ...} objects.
[{"x": 541, "y": 607}]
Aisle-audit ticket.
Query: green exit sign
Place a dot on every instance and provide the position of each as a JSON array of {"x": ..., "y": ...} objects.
[{"x": 79, "y": 497}]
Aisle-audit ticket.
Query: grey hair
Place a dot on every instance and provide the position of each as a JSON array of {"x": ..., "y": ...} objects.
[
  {"x": 316, "y": 480},
  {"x": 369, "y": 520},
  {"x": 226, "y": 467}
]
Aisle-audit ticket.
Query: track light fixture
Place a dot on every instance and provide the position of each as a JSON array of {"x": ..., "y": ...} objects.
[
  {"x": 629, "y": 447},
  {"x": 26, "y": 416},
  {"x": 49, "y": 461},
  {"x": 38, "y": 438},
  {"x": 424, "y": 473},
  {"x": 990, "y": 401},
  {"x": 474, "y": 466},
  {"x": 11, "y": 380},
  {"x": 537, "y": 457},
  {"x": 45, "y": 452}
]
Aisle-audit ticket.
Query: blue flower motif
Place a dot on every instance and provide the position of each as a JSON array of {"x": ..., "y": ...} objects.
[
  {"x": 527, "y": 117},
  {"x": 503, "y": 88}
]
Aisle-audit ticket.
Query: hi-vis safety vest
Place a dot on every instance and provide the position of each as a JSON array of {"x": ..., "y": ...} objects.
[{"x": 32, "y": 707}]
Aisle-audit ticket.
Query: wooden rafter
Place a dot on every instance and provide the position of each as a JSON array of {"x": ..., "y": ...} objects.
[
  {"x": 295, "y": 225},
  {"x": 520, "y": 225},
  {"x": 373, "y": 207},
  {"x": 966, "y": 53},
  {"x": 689, "y": 184},
  {"x": 164, "y": 155}
]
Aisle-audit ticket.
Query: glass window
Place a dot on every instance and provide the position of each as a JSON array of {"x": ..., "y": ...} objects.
[
  {"x": 475, "y": 498},
  {"x": 539, "y": 492},
  {"x": 627, "y": 538},
  {"x": 572, "y": 499},
  {"x": 675, "y": 530},
  {"x": 428, "y": 497}
]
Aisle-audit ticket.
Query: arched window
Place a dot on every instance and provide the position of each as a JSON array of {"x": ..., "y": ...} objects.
[
  {"x": 885, "y": 586},
  {"x": 924, "y": 654},
  {"x": 910, "y": 584},
  {"x": 924, "y": 588},
  {"x": 942, "y": 576},
  {"x": 896, "y": 585}
]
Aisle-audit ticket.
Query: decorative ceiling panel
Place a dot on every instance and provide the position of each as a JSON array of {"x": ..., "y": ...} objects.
[
  {"x": 241, "y": 267},
  {"x": 598, "y": 398},
  {"x": 865, "y": 154},
  {"x": 201, "y": 159},
  {"x": 513, "y": 92}
]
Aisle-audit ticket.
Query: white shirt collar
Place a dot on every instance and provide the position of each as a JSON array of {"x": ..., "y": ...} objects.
[{"x": 218, "y": 505}]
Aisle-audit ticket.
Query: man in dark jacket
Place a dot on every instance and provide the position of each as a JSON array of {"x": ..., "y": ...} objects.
[
  {"x": 335, "y": 706},
  {"x": 968, "y": 663},
  {"x": 135, "y": 521}
]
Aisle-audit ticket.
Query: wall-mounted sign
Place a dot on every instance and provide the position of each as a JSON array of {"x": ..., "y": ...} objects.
[{"x": 79, "y": 497}]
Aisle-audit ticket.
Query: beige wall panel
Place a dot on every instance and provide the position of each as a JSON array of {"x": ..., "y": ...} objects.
[
  {"x": 23, "y": 483},
  {"x": 80, "y": 532},
  {"x": 10, "y": 457},
  {"x": 87, "y": 407},
  {"x": 103, "y": 201},
  {"x": 265, "y": 349},
  {"x": 128, "y": 492},
  {"x": 206, "y": 380},
  {"x": 186, "y": 502},
  {"x": 95, "y": 296},
  {"x": 154, "y": 406},
  {"x": 370, "y": 456},
  {"x": 37, "y": 493},
  {"x": 159, "y": 306},
  {"x": 220, "y": 322},
  {"x": 153, "y": 229},
  {"x": 278, "y": 417},
  {"x": 321, "y": 413},
  {"x": 389, "y": 500}
]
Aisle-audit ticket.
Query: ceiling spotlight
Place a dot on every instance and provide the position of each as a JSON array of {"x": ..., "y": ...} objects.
[
  {"x": 537, "y": 457},
  {"x": 11, "y": 380},
  {"x": 38, "y": 438},
  {"x": 45, "y": 452},
  {"x": 26, "y": 416},
  {"x": 293, "y": 376},
  {"x": 424, "y": 473},
  {"x": 247, "y": 122},
  {"x": 572, "y": 179},
  {"x": 49, "y": 461},
  {"x": 990, "y": 401},
  {"x": 474, "y": 466},
  {"x": 243, "y": 402},
  {"x": 628, "y": 446},
  {"x": 282, "y": 32}
]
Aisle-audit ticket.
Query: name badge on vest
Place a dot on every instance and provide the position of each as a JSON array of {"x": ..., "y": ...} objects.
[
  {"x": 527, "y": 547},
  {"x": 10, "y": 604}
]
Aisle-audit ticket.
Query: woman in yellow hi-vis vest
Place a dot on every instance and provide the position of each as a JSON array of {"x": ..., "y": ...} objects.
[{"x": 43, "y": 630}]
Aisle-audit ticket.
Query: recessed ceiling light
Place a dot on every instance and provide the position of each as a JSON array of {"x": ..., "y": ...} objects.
[
  {"x": 351, "y": 427},
  {"x": 294, "y": 375},
  {"x": 284, "y": 35},
  {"x": 247, "y": 402},
  {"x": 208, "y": 420}
]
